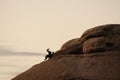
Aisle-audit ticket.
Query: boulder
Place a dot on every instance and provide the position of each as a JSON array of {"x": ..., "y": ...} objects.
[{"x": 96, "y": 37}]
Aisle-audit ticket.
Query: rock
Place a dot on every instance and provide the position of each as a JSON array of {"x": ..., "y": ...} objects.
[
  {"x": 101, "y": 44},
  {"x": 71, "y": 47},
  {"x": 105, "y": 66},
  {"x": 93, "y": 56},
  {"x": 102, "y": 38},
  {"x": 70, "y": 43},
  {"x": 103, "y": 30},
  {"x": 100, "y": 34}
]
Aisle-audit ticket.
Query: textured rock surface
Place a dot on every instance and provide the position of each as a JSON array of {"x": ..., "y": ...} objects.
[{"x": 94, "y": 56}]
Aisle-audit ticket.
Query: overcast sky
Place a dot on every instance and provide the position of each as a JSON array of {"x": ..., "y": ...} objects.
[{"x": 34, "y": 25}]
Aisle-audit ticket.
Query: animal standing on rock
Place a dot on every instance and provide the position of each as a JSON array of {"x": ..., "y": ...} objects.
[{"x": 50, "y": 54}]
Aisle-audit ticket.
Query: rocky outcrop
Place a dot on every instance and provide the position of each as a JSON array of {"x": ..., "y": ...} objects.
[
  {"x": 98, "y": 39},
  {"x": 93, "y": 56}
]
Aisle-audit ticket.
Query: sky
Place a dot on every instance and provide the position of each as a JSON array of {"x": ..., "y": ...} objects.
[{"x": 35, "y": 25}]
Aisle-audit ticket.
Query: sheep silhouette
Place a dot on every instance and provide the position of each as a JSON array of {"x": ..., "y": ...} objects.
[{"x": 49, "y": 55}]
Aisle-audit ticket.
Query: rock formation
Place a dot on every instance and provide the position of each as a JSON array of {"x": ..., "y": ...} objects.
[{"x": 93, "y": 56}]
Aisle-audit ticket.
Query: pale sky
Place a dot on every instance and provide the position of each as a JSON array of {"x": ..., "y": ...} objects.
[{"x": 35, "y": 25}]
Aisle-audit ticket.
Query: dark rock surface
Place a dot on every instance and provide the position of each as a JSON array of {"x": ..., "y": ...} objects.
[{"x": 93, "y": 56}]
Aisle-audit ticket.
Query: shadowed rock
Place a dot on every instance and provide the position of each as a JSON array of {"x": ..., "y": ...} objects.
[{"x": 93, "y": 56}]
